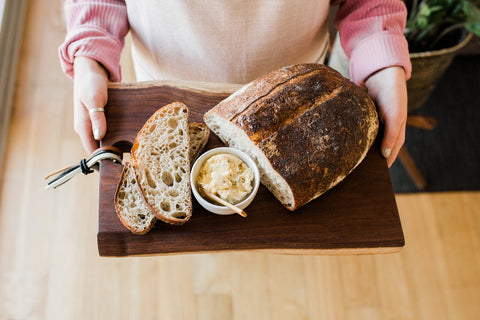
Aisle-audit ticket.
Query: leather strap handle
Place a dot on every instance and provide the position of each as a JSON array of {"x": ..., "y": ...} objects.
[{"x": 85, "y": 166}]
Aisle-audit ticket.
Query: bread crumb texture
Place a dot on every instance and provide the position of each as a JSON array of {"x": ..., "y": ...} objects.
[
  {"x": 161, "y": 153},
  {"x": 129, "y": 205}
]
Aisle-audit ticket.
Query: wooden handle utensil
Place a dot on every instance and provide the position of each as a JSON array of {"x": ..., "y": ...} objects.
[{"x": 225, "y": 203}]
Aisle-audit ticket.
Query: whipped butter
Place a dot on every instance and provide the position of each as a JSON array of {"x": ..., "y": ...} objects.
[{"x": 226, "y": 176}]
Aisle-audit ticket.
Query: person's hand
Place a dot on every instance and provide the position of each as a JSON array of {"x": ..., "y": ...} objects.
[
  {"x": 90, "y": 86},
  {"x": 388, "y": 89}
]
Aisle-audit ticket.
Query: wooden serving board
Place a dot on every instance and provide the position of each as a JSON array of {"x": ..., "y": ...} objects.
[{"x": 357, "y": 216}]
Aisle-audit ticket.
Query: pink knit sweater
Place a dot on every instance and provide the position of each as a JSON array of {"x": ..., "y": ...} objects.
[{"x": 232, "y": 41}]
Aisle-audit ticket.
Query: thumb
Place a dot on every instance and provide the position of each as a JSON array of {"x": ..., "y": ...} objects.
[{"x": 99, "y": 123}]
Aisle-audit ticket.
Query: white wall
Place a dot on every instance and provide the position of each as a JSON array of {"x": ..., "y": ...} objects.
[
  {"x": 2, "y": 6},
  {"x": 11, "y": 35}
]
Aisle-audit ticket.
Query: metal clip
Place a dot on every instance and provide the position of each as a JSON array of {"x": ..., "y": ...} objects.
[{"x": 85, "y": 166}]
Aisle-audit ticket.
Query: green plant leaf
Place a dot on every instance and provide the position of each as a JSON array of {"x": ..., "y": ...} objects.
[
  {"x": 425, "y": 10},
  {"x": 471, "y": 11},
  {"x": 436, "y": 8},
  {"x": 431, "y": 21},
  {"x": 474, "y": 27}
]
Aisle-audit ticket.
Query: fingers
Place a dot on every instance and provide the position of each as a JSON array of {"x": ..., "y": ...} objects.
[
  {"x": 90, "y": 124},
  {"x": 83, "y": 127},
  {"x": 99, "y": 123},
  {"x": 388, "y": 89},
  {"x": 393, "y": 138},
  {"x": 90, "y": 97},
  {"x": 89, "y": 144}
]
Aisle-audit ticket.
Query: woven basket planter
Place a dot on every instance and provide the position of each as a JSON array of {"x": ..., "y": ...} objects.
[{"x": 427, "y": 69}]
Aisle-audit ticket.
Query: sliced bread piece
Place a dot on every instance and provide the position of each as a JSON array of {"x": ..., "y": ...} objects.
[
  {"x": 199, "y": 134},
  {"x": 160, "y": 155},
  {"x": 129, "y": 203}
]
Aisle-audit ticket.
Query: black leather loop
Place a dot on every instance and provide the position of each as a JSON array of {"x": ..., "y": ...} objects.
[{"x": 84, "y": 167}]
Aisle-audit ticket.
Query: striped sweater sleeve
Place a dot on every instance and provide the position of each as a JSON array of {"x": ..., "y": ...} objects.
[
  {"x": 95, "y": 29},
  {"x": 371, "y": 33}
]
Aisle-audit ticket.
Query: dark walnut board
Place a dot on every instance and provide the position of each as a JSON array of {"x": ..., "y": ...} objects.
[{"x": 357, "y": 216}]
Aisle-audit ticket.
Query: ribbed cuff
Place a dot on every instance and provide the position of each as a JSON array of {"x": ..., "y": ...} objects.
[
  {"x": 95, "y": 29},
  {"x": 379, "y": 52},
  {"x": 95, "y": 44}
]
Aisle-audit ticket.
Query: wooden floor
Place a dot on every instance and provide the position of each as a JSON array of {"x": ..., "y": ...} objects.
[{"x": 50, "y": 268}]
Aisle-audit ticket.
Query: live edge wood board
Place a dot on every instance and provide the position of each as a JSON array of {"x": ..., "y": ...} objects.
[{"x": 357, "y": 216}]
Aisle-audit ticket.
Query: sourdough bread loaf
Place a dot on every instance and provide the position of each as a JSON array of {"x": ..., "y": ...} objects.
[
  {"x": 306, "y": 126},
  {"x": 129, "y": 203}
]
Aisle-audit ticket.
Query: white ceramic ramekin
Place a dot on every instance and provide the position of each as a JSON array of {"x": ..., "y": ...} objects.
[{"x": 219, "y": 209}]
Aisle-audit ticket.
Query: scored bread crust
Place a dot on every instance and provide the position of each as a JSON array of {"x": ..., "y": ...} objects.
[
  {"x": 306, "y": 126},
  {"x": 161, "y": 163}
]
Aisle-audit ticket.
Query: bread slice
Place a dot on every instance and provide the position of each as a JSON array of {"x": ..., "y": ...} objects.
[
  {"x": 161, "y": 161},
  {"x": 198, "y": 133},
  {"x": 306, "y": 126},
  {"x": 129, "y": 204}
]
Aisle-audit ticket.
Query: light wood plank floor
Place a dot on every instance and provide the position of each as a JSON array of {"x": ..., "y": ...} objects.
[{"x": 50, "y": 268}]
